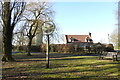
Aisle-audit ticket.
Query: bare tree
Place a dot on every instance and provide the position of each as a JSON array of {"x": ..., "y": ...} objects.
[
  {"x": 36, "y": 14},
  {"x": 19, "y": 38},
  {"x": 11, "y": 13},
  {"x": 0, "y": 39},
  {"x": 56, "y": 37},
  {"x": 114, "y": 38}
]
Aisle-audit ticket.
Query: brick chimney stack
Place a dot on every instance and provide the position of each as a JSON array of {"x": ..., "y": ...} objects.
[{"x": 90, "y": 34}]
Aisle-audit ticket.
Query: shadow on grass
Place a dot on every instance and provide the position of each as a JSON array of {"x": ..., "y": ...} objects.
[
  {"x": 28, "y": 71},
  {"x": 36, "y": 74},
  {"x": 29, "y": 60},
  {"x": 7, "y": 68},
  {"x": 39, "y": 56},
  {"x": 67, "y": 59}
]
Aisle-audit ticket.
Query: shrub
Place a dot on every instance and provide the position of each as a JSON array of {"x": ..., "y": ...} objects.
[
  {"x": 65, "y": 48},
  {"x": 19, "y": 48},
  {"x": 70, "y": 48},
  {"x": 35, "y": 49},
  {"x": 52, "y": 48},
  {"x": 109, "y": 47},
  {"x": 24, "y": 48},
  {"x": 43, "y": 48}
]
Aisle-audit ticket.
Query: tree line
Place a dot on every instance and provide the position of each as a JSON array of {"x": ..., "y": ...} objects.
[{"x": 24, "y": 20}]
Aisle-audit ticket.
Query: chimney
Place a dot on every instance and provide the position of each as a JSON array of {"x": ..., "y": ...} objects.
[{"x": 89, "y": 34}]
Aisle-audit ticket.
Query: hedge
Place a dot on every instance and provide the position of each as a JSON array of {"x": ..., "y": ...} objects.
[
  {"x": 24, "y": 48},
  {"x": 65, "y": 48}
]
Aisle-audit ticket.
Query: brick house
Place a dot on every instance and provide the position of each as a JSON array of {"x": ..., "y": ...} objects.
[
  {"x": 78, "y": 38},
  {"x": 84, "y": 41}
]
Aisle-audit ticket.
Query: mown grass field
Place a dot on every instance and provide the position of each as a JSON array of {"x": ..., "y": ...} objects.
[{"x": 62, "y": 66}]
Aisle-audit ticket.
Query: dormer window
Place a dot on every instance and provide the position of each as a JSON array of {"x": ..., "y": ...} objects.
[
  {"x": 90, "y": 40},
  {"x": 72, "y": 39},
  {"x": 87, "y": 39}
]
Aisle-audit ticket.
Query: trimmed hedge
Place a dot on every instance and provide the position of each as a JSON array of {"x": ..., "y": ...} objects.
[
  {"x": 71, "y": 48},
  {"x": 65, "y": 48},
  {"x": 109, "y": 47},
  {"x": 24, "y": 48}
]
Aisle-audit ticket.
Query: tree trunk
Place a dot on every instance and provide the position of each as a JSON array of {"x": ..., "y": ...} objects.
[
  {"x": 7, "y": 46},
  {"x": 7, "y": 34},
  {"x": 29, "y": 47}
]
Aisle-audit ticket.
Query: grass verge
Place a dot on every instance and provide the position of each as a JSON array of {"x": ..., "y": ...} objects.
[{"x": 66, "y": 66}]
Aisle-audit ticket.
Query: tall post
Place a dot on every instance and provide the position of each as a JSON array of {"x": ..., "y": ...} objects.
[
  {"x": 47, "y": 52},
  {"x": 48, "y": 29}
]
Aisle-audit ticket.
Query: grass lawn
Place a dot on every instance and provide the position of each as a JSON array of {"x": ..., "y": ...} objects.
[{"x": 66, "y": 66}]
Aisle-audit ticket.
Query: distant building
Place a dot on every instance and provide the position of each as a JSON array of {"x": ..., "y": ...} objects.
[
  {"x": 84, "y": 41},
  {"x": 78, "y": 38}
]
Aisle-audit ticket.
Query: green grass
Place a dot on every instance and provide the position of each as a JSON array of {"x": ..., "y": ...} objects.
[
  {"x": 19, "y": 54},
  {"x": 61, "y": 66}
]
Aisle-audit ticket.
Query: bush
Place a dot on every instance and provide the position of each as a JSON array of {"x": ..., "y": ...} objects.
[
  {"x": 68, "y": 48},
  {"x": 24, "y": 48},
  {"x": 43, "y": 48},
  {"x": 109, "y": 47},
  {"x": 75, "y": 48},
  {"x": 35, "y": 49},
  {"x": 62, "y": 48}
]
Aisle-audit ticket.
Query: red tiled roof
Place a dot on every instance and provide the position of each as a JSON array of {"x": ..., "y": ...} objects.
[{"x": 79, "y": 38}]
